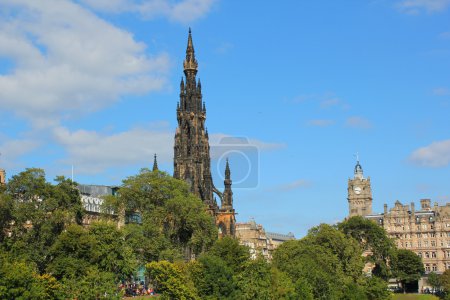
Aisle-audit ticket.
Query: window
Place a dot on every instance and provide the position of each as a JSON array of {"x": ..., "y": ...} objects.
[
  {"x": 419, "y": 254},
  {"x": 434, "y": 267},
  {"x": 419, "y": 235},
  {"x": 419, "y": 244},
  {"x": 425, "y": 235},
  {"x": 448, "y": 234},
  {"x": 432, "y": 234},
  {"x": 427, "y": 267},
  {"x": 427, "y": 254},
  {"x": 433, "y": 254},
  {"x": 426, "y": 243},
  {"x": 448, "y": 254},
  {"x": 433, "y": 243}
]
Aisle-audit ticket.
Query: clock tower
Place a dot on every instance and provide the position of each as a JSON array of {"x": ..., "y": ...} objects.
[{"x": 359, "y": 193}]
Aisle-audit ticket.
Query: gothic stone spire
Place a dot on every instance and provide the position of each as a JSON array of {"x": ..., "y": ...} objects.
[
  {"x": 191, "y": 150},
  {"x": 155, "y": 163},
  {"x": 227, "y": 202}
]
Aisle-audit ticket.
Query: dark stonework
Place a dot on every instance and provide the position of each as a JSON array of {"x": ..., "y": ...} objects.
[
  {"x": 192, "y": 162},
  {"x": 191, "y": 151}
]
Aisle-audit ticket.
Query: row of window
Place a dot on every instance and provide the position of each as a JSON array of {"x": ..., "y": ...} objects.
[
  {"x": 424, "y": 244},
  {"x": 422, "y": 235},
  {"x": 427, "y": 254},
  {"x": 433, "y": 268},
  {"x": 432, "y": 254}
]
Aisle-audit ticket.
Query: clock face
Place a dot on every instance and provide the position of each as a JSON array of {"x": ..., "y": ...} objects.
[{"x": 357, "y": 190}]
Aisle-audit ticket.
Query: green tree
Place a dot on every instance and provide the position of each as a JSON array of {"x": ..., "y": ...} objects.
[
  {"x": 376, "y": 289},
  {"x": 254, "y": 281},
  {"x": 72, "y": 253},
  {"x": 93, "y": 285},
  {"x": 170, "y": 280},
  {"x": 374, "y": 239},
  {"x": 174, "y": 222},
  {"x": 346, "y": 249},
  {"x": 6, "y": 214},
  {"x": 445, "y": 283},
  {"x": 212, "y": 277},
  {"x": 111, "y": 252},
  {"x": 407, "y": 267},
  {"x": 19, "y": 280},
  {"x": 282, "y": 287},
  {"x": 41, "y": 211},
  {"x": 435, "y": 281},
  {"x": 233, "y": 254},
  {"x": 311, "y": 267}
]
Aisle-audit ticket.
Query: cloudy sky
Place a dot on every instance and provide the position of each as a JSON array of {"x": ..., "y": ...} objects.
[{"x": 292, "y": 91}]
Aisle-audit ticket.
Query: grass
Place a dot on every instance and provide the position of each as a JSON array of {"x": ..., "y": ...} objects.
[{"x": 413, "y": 297}]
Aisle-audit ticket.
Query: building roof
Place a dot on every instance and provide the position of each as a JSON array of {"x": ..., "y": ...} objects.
[
  {"x": 96, "y": 190},
  {"x": 280, "y": 236}
]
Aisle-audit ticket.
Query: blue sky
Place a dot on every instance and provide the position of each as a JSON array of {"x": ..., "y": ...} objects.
[{"x": 94, "y": 83}]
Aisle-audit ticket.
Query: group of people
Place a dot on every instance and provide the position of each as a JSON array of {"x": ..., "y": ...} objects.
[{"x": 136, "y": 289}]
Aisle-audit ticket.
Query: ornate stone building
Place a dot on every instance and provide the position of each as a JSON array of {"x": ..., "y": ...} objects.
[
  {"x": 258, "y": 240},
  {"x": 192, "y": 162},
  {"x": 425, "y": 231}
]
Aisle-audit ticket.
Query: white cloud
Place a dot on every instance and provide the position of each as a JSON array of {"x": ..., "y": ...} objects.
[
  {"x": 320, "y": 122},
  {"x": 184, "y": 11},
  {"x": 220, "y": 141},
  {"x": 358, "y": 122},
  {"x": 12, "y": 149},
  {"x": 415, "y": 7},
  {"x": 69, "y": 61},
  {"x": 330, "y": 102},
  {"x": 434, "y": 155},
  {"x": 441, "y": 91},
  {"x": 297, "y": 184},
  {"x": 92, "y": 152}
]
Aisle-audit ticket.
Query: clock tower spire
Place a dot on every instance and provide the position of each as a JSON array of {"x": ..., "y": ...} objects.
[{"x": 359, "y": 193}]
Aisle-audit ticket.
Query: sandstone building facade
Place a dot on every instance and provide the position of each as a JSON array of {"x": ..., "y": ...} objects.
[
  {"x": 425, "y": 230},
  {"x": 258, "y": 240}
]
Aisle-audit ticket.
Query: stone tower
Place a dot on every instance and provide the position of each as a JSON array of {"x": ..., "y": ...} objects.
[
  {"x": 225, "y": 218},
  {"x": 191, "y": 151},
  {"x": 359, "y": 193},
  {"x": 2, "y": 176}
]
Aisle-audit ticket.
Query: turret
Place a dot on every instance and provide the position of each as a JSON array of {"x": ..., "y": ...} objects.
[
  {"x": 155, "y": 163},
  {"x": 358, "y": 171}
]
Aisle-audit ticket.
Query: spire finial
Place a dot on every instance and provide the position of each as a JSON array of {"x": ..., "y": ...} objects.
[
  {"x": 190, "y": 63},
  {"x": 155, "y": 163},
  {"x": 358, "y": 169},
  {"x": 227, "y": 170}
]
